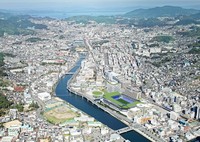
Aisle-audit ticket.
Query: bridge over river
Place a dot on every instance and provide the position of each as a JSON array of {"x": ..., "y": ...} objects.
[
  {"x": 141, "y": 130},
  {"x": 69, "y": 73}
]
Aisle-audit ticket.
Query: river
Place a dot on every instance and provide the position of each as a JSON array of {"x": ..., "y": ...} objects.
[{"x": 92, "y": 110}]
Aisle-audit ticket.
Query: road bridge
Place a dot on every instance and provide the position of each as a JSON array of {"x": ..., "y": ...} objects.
[{"x": 123, "y": 130}]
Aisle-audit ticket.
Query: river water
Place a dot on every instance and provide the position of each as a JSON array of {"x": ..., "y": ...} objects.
[{"x": 92, "y": 110}]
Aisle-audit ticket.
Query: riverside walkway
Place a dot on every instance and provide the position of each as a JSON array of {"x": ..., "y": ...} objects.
[
  {"x": 113, "y": 113},
  {"x": 131, "y": 126}
]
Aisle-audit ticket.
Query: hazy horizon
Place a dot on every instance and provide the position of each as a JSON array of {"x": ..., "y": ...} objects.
[
  {"x": 68, "y": 8},
  {"x": 85, "y": 5}
]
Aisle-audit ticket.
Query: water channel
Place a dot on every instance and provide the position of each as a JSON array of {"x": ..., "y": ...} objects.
[{"x": 92, "y": 110}]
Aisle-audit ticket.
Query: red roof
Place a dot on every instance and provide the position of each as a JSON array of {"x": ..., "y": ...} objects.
[
  {"x": 186, "y": 128},
  {"x": 18, "y": 88}
]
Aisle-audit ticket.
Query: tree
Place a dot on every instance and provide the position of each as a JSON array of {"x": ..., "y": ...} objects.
[
  {"x": 34, "y": 105},
  {"x": 20, "y": 107}
]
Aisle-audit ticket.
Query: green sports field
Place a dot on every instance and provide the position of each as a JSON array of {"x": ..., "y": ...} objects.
[{"x": 121, "y": 103}]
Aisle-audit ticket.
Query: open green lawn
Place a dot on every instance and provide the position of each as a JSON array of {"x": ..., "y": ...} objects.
[
  {"x": 54, "y": 120},
  {"x": 110, "y": 94},
  {"x": 97, "y": 93},
  {"x": 120, "y": 102},
  {"x": 133, "y": 104}
]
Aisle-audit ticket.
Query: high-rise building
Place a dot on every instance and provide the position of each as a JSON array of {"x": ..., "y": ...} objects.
[{"x": 198, "y": 113}]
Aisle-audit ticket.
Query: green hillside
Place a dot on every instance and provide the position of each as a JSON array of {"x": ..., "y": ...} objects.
[
  {"x": 99, "y": 19},
  {"x": 165, "y": 11},
  {"x": 16, "y": 25}
]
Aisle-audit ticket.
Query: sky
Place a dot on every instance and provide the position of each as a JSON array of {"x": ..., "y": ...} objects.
[{"x": 92, "y": 4}]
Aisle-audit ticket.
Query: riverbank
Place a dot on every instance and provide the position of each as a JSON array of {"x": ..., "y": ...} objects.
[
  {"x": 91, "y": 109},
  {"x": 100, "y": 107},
  {"x": 115, "y": 114}
]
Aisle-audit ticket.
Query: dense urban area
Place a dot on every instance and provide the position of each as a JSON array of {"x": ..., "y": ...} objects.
[{"x": 144, "y": 72}]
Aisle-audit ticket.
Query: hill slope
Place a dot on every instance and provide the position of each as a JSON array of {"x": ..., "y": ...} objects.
[
  {"x": 195, "y": 16},
  {"x": 165, "y": 11},
  {"x": 17, "y": 25}
]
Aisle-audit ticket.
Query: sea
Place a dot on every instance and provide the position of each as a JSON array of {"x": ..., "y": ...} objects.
[{"x": 67, "y": 14}]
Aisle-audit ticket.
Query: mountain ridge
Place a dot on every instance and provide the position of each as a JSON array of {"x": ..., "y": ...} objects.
[{"x": 164, "y": 11}]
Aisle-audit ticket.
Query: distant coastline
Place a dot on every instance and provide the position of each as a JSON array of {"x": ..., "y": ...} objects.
[
  {"x": 64, "y": 14},
  {"x": 137, "y": 11}
]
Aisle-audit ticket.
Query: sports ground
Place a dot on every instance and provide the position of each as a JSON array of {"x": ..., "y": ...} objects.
[
  {"x": 59, "y": 114},
  {"x": 120, "y": 100}
]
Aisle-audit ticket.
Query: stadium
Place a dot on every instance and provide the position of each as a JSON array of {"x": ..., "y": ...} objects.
[{"x": 121, "y": 101}]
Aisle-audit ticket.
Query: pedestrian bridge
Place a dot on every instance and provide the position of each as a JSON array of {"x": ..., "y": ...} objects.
[{"x": 70, "y": 73}]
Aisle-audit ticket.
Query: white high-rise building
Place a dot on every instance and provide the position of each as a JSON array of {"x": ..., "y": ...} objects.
[
  {"x": 192, "y": 114},
  {"x": 198, "y": 113},
  {"x": 176, "y": 108}
]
